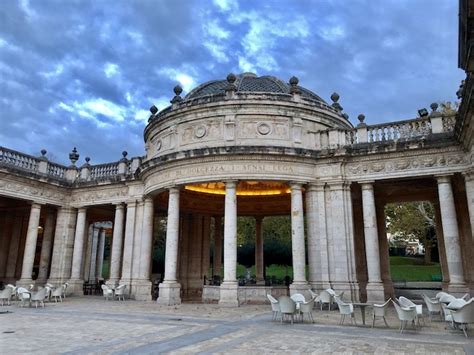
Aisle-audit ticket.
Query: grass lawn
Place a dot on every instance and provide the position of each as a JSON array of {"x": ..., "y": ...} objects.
[{"x": 404, "y": 268}]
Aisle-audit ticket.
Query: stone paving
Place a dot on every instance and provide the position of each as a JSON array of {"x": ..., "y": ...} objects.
[{"x": 82, "y": 325}]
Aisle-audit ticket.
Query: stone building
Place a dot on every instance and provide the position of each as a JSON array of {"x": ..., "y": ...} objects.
[{"x": 246, "y": 146}]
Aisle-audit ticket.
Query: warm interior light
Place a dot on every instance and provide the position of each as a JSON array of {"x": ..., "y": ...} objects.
[{"x": 244, "y": 188}]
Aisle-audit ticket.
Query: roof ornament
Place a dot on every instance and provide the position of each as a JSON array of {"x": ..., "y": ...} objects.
[
  {"x": 74, "y": 156},
  {"x": 43, "y": 154},
  {"x": 154, "y": 110},
  {"x": 335, "y": 98},
  {"x": 294, "y": 89},
  {"x": 124, "y": 156},
  {"x": 434, "y": 110},
  {"x": 423, "y": 112},
  {"x": 231, "y": 87},
  {"x": 176, "y": 99},
  {"x": 346, "y": 116},
  {"x": 361, "y": 119},
  {"x": 87, "y": 159}
]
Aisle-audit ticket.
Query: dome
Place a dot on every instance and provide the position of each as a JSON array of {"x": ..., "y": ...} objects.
[{"x": 249, "y": 83}]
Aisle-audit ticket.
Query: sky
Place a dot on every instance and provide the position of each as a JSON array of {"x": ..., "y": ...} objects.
[{"x": 77, "y": 73}]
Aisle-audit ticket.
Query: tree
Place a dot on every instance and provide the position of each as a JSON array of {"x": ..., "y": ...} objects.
[{"x": 413, "y": 221}]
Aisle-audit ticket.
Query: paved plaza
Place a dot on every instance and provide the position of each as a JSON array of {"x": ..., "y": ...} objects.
[{"x": 92, "y": 325}]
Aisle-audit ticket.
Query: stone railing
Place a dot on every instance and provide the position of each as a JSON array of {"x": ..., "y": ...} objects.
[
  {"x": 40, "y": 166},
  {"x": 18, "y": 160},
  {"x": 401, "y": 130}
]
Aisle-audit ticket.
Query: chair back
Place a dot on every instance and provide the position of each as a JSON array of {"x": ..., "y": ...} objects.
[
  {"x": 120, "y": 290},
  {"x": 379, "y": 309},
  {"x": 325, "y": 297},
  {"x": 433, "y": 306},
  {"x": 287, "y": 305},
  {"x": 405, "y": 314},
  {"x": 466, "y": 297},
  {"x": 58, "y": 291},
  {"x": 441, "y": 294},
  {"x": 457, "y": 303},
  {"x": 307, "y": 307},
  {"x": 23, "y": 293},
  {"x": 298, "y": 297},
  {"x": 312, "y": 293},
  {"x": 465, "y": 314},
  {"x": 274, "y": 302},
  {"x": 39, "y": 295},
  {"x": 271, "y": 298},
  {"x": 6, "y": 293},
  {"x": 447, "y": 298},
  {"x": 405, "y": 302}
]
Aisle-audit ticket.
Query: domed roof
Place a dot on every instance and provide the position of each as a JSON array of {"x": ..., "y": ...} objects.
[{"x": 250, "y": 83}]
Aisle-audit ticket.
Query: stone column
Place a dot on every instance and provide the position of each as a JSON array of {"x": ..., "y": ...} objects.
[
  {"x": 206, "y": 254},
  {"x": 76, "y": 282},
  {"x": 14, "y": 248},
  {"x": 100, "y": 254},
  {"x": 299, "y": 285},
  {"x": 217, "y": 257},
  {"x": 170, "y": 288},
  {"x": 314, "y": 245},
  {"x": 143, "y": 283},
  {"x": 469, "y": 178},
  {"x": 30, "y": 246},
  {"x": 63, "y": 245},
  {"x": 451, "y": 235},
  {"x": 127, "y": 261},
  {"x": 137, "y": 242},
  {"x": 46, "y": 247},
  {"x": 259, "y": 262},
  {"x": 117, "y": 241},
  {"x": 93, "y": 254},
  {"x": 229, "y": 287},
  {"x": 5, "y": 240},
  {"x": 375, "y": 290}
]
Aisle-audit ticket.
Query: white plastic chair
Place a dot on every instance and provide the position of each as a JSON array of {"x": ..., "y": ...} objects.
[
  {"x": 406, "y": 303},
  {"x": 5, "y": 295},
  {"x": 307, "y": 308},
  {"x": 107, "y": 292},
  {"x": 379, "y": 310},
  {"x": 120, "y": 292},
  {"x": 345, "y": 309},
  {"x": 287, "y": 308},
  {"x": 23, "y": 295},
  {"x": 275, "y": 306},
  {"x": 466, "y": 297},
  {"x": 463, "y": 316},
  {"x": 447, "y": 317},
  {"x": 39, "y": 296},
  {"x": 65, "y": 286},
  {"x": 324, "y": 298},
  {"x": 432, "y": 306},
  {"x": 446, "y": 298},
  {"x": 58, "y": 293},
  {"x": 441, "y": 294},
  {"x": 405, "y": 315}
]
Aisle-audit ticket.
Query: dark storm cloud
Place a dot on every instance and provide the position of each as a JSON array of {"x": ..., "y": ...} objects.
[{"x": 83, "y": 73}]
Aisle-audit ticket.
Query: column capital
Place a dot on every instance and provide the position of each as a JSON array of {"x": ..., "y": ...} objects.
[
  {"x": 131, "y": 203},
  {"x": 35, "y": 204},
  {"x": 119, "y": 206},
  {"x": 173, "y": 190},
  {"x": 82, "y": 209},
  {"x": 296, "y": 185},
  {"x": 315, "y": 186},
  {"x": 367, "y": 185},
  {"x": 443, "y": 178},
  {"x": 147, "y": 199},
  {"x": 468, "y": 175}
]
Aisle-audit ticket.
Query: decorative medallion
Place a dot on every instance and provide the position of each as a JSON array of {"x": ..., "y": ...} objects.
[
  {"x": 200, "y": 131},
  {"x": 158, "y": 144},
  {"x": 264, "y": 129}
]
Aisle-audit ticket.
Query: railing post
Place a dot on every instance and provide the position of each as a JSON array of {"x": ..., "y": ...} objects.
[
  {"x": 86, "y": 170},
  {"x": 362, "y": 130}
]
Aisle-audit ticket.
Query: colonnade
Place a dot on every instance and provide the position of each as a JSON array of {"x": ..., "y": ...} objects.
[{"x": 330, "y": 242}]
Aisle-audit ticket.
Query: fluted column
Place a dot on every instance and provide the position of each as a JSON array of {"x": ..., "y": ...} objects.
[
  {"x": 93, "y": 253},
  {"x": 127, "y": 260},
  {"x": 229, "y": 287},
  {"x": 297, "y": 239},
  {"x": 451, "y": 235},
  {"x": 117, "y": 241},
  {"x": 137, "y": 240},
  {"x": 372, "y": 252},
  {"x": 76, "y": 280},
  {"x": 469, "y": 178},
  {"x": 217, "y": 257},
  {"x": 30, "y": 246},
  {"x": 170, "y": 288},
  {"x": 100, "y": 254},
  {"x": 259, "y": 262},
  {"x": 46, "y": 246}
]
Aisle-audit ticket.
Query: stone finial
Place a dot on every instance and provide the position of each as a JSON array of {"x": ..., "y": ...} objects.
[
  {"x": 74, "y": 156},
  {"x": 423, "y": 112},
  {"x": 231, "y": 87},
  {"x": 177, "y": 91},
  {"x": 153, "y": 109},
  {"x": 231, "y": 78},
  {"x": 434, "y": 106},
  {"x": 87, "y": 159},
  {"x": 361, "y": 119},
  {"x": 335, "y": 98},
  {"x": 124, "y": 156},
  {"x": 460, "y": 92},
  {"x": 294, "y": 89},
  {"x": 43, "y": 154}
]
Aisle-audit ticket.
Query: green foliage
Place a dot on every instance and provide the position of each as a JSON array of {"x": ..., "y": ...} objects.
[
  {"x": 413, "y": 269},
  {"x": 159, "y": 242}
]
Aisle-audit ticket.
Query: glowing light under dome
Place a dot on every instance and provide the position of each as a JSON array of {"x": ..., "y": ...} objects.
[{"x": 244, "y": 188}]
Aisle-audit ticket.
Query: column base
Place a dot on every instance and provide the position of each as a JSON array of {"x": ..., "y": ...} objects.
[
  {"x": 229, "y": 294},
  {"x": 300, "y": 287},
  {"x": 141, "y": 290},
  {"x": 76, "y": 287},
  {"x": 169, "y": 293},
  {"x": 457, "y": 289},
  {"x": 261, "y": 282},
  {"x": 375, "y": 292},
  {"x": 319, "y": 286}
]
